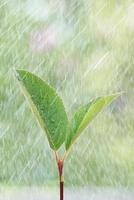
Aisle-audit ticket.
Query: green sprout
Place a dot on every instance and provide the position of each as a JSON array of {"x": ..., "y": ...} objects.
[{"x": 50, "y": 113}]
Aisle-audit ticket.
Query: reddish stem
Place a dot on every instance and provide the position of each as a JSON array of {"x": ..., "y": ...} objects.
[
  {"x": 60, "y": 168},
  {"x": 61, "y": 190},
  {"x": 60, "y": 164}
]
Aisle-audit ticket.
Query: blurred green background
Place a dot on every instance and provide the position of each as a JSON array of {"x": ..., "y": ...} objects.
[{"x": 84, "y": 48}]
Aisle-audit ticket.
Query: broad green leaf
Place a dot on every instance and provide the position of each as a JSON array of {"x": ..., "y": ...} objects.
[
  {"x": 47, "y": 107},
  {"x": 85, "y": 115}
]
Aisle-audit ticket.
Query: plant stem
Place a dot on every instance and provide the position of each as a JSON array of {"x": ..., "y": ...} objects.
[
  {"x": 60, "y": 168},
  {"x": 60, "y": 164},
  {"x": 61, "y": 190}
]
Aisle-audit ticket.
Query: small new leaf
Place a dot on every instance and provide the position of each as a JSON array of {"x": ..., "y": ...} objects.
[
  {"x": 85, "y": 115},
  {"x": 46, "y": 106}
]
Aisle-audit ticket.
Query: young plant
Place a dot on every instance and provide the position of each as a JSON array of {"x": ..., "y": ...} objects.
[{"x": 50, "y": 113}]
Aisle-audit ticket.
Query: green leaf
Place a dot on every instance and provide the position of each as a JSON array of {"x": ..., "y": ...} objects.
[
  {"x": 46, "y": 106},
  {"x": 85, "y": 115}
]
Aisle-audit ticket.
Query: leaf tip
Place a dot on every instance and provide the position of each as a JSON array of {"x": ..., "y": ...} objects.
[
  {"x": 16, "y": 73},
  {"x": 117, "y": 94},
  {"x": 19, "y": 74}
]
